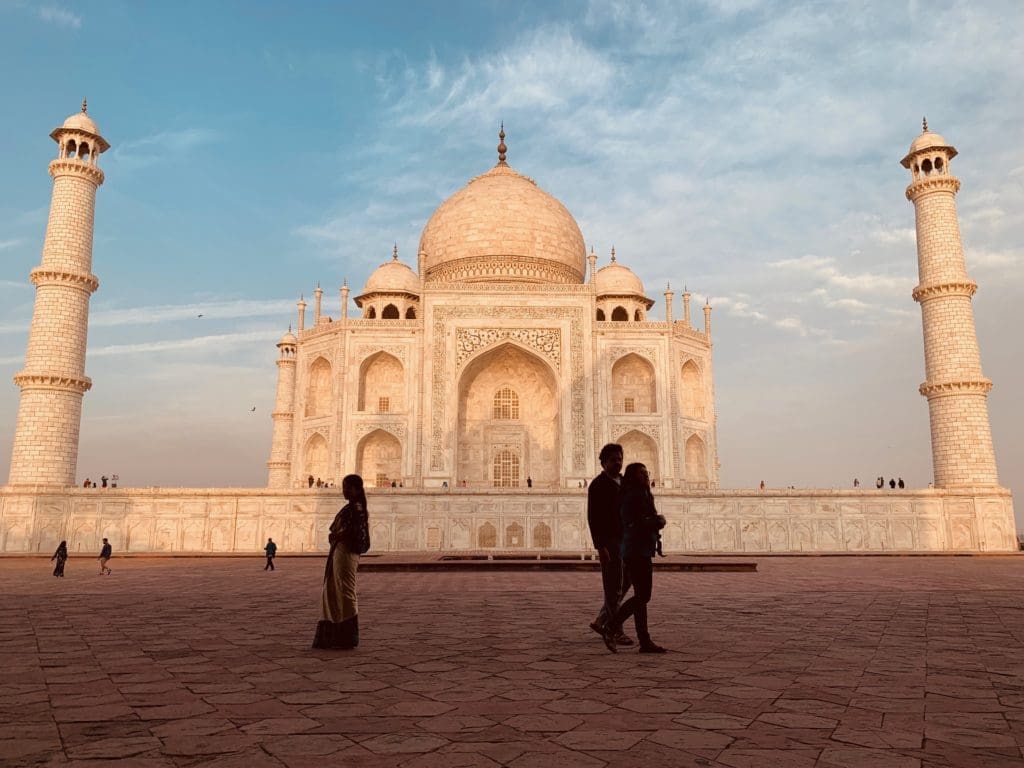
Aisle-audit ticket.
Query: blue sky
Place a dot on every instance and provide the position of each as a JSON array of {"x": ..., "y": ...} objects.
[{"x": 747, "y": 149}]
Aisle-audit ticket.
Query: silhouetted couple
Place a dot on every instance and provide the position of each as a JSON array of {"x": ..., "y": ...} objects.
[{"x": 624, "y": 526}]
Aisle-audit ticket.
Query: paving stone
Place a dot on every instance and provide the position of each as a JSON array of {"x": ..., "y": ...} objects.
[{"x": 818, "y": 661}]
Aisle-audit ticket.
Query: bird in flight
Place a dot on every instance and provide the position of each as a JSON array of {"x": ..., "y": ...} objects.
[
  {"x": 200, "y": 314},
  {"x": 252, "y": 409}
]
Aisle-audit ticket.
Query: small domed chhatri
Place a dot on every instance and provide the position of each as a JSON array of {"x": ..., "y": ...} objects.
[
  {"x": 392, "y": 276},
  {"x": 502, "y": 227},
  {"x": 81, "y": 123}
]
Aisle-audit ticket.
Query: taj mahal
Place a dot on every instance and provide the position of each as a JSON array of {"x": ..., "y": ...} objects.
[{"x": 474, "y": 389}]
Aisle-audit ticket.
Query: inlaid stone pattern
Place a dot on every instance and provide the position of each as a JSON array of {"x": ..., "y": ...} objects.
[{"x": 546, "y": 341}]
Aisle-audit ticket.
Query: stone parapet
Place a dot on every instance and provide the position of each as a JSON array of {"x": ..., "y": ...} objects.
[{"x": 212, "y": 520}]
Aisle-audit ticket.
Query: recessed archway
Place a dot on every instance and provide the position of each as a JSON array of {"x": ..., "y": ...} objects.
[
  {"x": 638, "y": 447},
  {"x": 315, "y": 457},
  {"x": 382, "y": 384},
  {"x": 696, "y": 460},
  {"x": 318, "y": 391},
  {"x": 692, "y": 390},
  {"x": 508, "y": 406},
  {"x": 633, "y": 386},
  {"x": 379, "y": 459}
]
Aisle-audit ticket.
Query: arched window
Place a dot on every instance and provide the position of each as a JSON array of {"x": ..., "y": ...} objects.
[
  {"x": 506, "y": 469},
  {"x": 410, "y": 314},
  {"x": 371, "y": 313},
  {"x": 542, "y": 536},
  {"x": 390, "y": 313},
  {"x": 633, "y": 385},
  {"x": 506, "y": 404},
  {"x": 636, "y": 316},
  {"x": 515, "y": 536},
  {"x": 83, "y": 151},
  {"x": 381, "y": 384},
  {"x": 315, "y": 463},
  {"x": 71, "y": 148},
  {"x": 620, "y": 315},
  {"x": 926, "y": 166},
  {"x": 487, "y": 536},
  {"x": 600, "y": 315},
  {"x": 696, "y": 460}
]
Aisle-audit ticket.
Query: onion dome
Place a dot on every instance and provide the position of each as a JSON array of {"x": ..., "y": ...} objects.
[
  {"x": 502, "y": 227},
  {"x": 80, "y": 122},
  {"x": 391, "y": 277}
]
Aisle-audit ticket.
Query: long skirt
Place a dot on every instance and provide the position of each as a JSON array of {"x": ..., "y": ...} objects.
[
  {"x": 339, "y": 611},
  {"x": 59, "y": 568}
]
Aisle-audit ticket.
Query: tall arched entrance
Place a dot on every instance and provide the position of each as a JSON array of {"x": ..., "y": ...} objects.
[
  {"x": 638, "y": 447},
  {"x": 508, "y": 423},
  {"x": 379, "y": 459}
]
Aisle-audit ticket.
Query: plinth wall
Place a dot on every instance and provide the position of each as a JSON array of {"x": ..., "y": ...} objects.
[{"x": 216, "y": 520}]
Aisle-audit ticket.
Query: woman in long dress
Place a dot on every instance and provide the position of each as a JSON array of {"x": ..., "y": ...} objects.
[
  {"x": 61, "y": 556},
  {"x": 641, "y": 525},
  {"x": 349, "y": 538}
]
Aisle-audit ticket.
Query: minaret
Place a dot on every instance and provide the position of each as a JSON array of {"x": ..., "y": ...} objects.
[
  {"x": 668, "y": 304},
  {"x": 592, "y": 258},
  {"x": 53, "y": 380},
  {"x": 280, "y": 465},
  {"x": 344, "y": 299},
  {"x": 957, "y": 391},
  {"x": 707, "y": 317},
  {"x": 686, "y": 306},
  {"x": 301, "y": 325},
  {"x": 318, "y": 297}
]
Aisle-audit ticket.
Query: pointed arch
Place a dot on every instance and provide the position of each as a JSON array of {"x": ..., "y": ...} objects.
[
  {"x": 600, "y": 315},
  {"x": 410, "y": 313},
  {"x": 487, "y": 423},
  {"x": 318, "y": 388},
  {"x": 382, "y": 384},
  {"x": 637, "y": 316},
  {"x": 379, "y": 459},
  {"x": 515, "y": 536},
  {"x": 620, "y": 315},
  {"x": 542, "y": 536},
  {"x": 390, "y": 312},
  {"x": 315, "y": 457},
  {"x": 692, "y": 390},
  {"x": 487, "y": 536},
  {"x": 633, "y": 385},
  {"x": 696, "y": 462},
  {"x": 639, "y": 447},
  {"x": 371, "y": 313}
]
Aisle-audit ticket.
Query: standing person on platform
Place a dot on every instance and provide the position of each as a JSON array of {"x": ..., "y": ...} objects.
[
  {"x": 61, "y": 556},
  {"x": 641, "y": 524},
  {"x": 349, "y": 538},
  {"x": 105, "y": 555},
  {"x": 606, "y": 532},
  {"x": 271, "y": 550}
]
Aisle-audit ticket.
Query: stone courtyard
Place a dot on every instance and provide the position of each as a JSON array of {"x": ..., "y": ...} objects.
[{"x": 815, "y": 661}]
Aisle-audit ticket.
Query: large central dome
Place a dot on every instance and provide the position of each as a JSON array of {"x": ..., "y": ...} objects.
[{"x": 501, "y": 227}]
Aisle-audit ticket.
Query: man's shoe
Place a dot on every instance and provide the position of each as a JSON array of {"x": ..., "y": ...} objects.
[
  {"x": 597, "y": 627},
  {"x": 652, "y": 648},
  {"x": 609, "y": 641},
  {"x": 622, "y": 639}
]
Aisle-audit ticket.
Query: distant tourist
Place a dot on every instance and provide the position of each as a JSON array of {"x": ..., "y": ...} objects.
[
  {"x": 900, "y": 483},
  {"x": 310, "y": 478},
  {"x": 103, "y": 480},
  {"x": 856, "y": 483},
  {"x": 87, "y": 483},
  {"x": 529, "y": 482},
  {"x": 641, "y": 526},
  {"x": 105, "y": 555},
  {"x": 271, "y": 550},
  {"x": 605, "y": 524},
  {"x": 349, "y": 538},
  {"x": 879, "y": 482},
  {"x": 762, "y": 485},
  {"x": 61, "y": 556},
  {"x": 892, "y": 483}
]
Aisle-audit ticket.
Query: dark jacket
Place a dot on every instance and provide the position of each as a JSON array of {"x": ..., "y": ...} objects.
[
  {"x": 270, "y": 549},
  {"x": 603, "y": 512},
  {"x": 352, "y": 527},
  {"x": 640, "y": 523},
  {"x": 106, "y": 551}
]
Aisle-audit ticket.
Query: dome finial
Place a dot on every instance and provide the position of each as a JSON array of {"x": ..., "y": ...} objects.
[
  {"x": 924, "y": 125},
  {"x": 502, "y": 149},
  {"x": 394, "y": 253},
  {"x": 85, "y": 104},
  {"x": 613, "y": 254}
]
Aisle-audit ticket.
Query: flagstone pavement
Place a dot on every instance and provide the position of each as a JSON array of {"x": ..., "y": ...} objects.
[{"x": 818, "y": 661}]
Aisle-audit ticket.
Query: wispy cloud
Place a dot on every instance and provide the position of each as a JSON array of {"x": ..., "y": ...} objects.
[
  {"x": 60, "y": 16},
  {"x": 12, "y": 243},
  {"x": 160, "y": 147},
  {"x": 278, "y": 309},
  {"x": 825, "y": 269}
]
